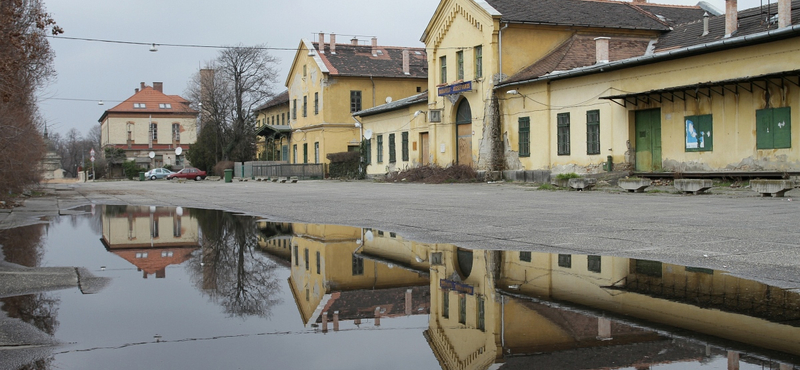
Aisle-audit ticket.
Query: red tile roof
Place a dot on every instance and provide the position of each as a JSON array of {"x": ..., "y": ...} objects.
[
  {"x": 152, "y": 100},
  {"x": 358, "y": 60}
]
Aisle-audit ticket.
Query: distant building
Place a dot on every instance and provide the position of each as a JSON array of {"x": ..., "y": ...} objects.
[
  {"x": 273, "y": 130},
  {"x": 151, "y": 122}
]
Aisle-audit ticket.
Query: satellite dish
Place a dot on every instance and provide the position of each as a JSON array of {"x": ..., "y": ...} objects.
[
  {"x": 368, "y": 134},
  {"x": 179, "y": 211},
  {"x": 388, "y": 99},
  {"x": 368, "y": 235},
  {"x": 178, "y": 151},
  {"x": 151, "y": 155}
]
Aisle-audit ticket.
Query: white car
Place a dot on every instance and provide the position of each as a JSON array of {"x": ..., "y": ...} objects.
[{"x": 157, "y": 173}]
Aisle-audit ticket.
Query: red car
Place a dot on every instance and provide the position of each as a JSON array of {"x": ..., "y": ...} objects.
[{"x": 188, "y": 173}]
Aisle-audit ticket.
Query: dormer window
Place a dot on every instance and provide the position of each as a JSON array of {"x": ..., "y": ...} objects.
[
  {"x": 165, "y": 106},
  {"x": 379, "y": 52},
  {"x": 139, "y": 106}
]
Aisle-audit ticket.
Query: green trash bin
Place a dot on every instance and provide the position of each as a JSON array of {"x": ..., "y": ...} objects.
[
  {"x": 229, "y": 175},
  {"x": 141, "y": 176}
]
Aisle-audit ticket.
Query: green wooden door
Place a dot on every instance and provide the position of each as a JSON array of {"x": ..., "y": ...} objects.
[
  {"x": 774, "y": 128},
  {"x": 648, "y": 140}
]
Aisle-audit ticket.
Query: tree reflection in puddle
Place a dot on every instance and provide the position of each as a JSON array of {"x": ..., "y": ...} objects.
[{"x": 368, "y": 297}]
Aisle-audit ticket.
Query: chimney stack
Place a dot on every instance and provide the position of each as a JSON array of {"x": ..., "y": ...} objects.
[
  {"x": 333, "y": 43},
  {"x": 141, "y": 85},
  {"x": 136, "y": 90},
  {"x": 731, "y": 17},
  {"x": 406, "y": 62},
  {"x": 158, "y": 86},
  {"x": 705, "y": 24},
  {"x": 601, "y": 49},
  {"x": 321, "y": 43},
  {"x": 784, "y": 13},
  {"x": 354, "y": 41},
  {"x": 374, "y": 46}
]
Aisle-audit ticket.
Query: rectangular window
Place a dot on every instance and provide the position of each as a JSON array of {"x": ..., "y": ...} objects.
[
  {"x": 294, "y": 153},
  {"x": 524, "y": 136},
  {"x": 565, "y": 260},
  {"x": 305, "y": 258},
  {"x": 460, "y": 65},
  {"x": 296, "y": 256},
  {"x": 154, "y": 131},
  {"x": 525, "y": 256},
  {"x": 305, "y": 153},
  {"x": 358, "y": 265},
  {"x": 165, "y": 106},
  {"x": 446, "y": 304},
  {"x": 294, "y": 108},
  {"x": 593, "y": 264},
  {"x": 563, "y": 133},
  {"x": 593, "y": 132},
  {"x": 305, "y": 106},
  {"x": 774, "y": 128},
  {"x": 283, "y": 118},
  {"x": 392, "y": 154},
  {"x": 316, "y": 103},
  {"x": 404, "y": 146},
  {"x": 379, "y": 149},
  {"x": 481, "y": 314},
  {"x": 462, "y": 309},
  {"x": 176, "y": 132},
  {"x": 698, "y": 133},
  {"x": 649, "y": 268},
  {"x": 139, "y": 105},
  {"x": 319, "y": 263},
  {"x": 478, "y": 62},
  {"x": 443, "y": 70},
  {"x": 436, "y": 258},
  {"x": 368, "y": 150},
  {"x": 355, "y": 101},
  {"x": 316, "y": 152}
]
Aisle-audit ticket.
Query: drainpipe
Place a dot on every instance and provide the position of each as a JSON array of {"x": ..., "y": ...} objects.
[{"x": 500, "y": 53}]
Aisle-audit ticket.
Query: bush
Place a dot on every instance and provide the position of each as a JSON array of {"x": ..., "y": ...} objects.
[
  {"x": 345, "y": 165},
  {"x": 434, "y": 174},
  {"x": 567, "y": 176},
  {"x": 131, "y": 169},
  {"x": 220, "y": 167}
]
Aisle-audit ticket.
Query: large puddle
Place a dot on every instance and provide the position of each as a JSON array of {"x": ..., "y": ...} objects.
[{"x": 173, "y": 288}]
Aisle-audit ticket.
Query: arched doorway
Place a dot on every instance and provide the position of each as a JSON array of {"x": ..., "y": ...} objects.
[{"x": 464, "y": 133}]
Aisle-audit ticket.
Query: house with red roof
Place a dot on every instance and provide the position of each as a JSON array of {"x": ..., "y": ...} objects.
[{"x": 152, "y": 128}]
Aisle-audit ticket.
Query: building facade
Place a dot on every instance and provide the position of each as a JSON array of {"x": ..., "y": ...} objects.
[
  {"x": 273, "y": 129},
  {"x": 151, "y": 122}
]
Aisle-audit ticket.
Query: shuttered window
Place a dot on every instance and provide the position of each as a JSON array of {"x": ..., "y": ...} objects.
[
  {"x": 593, "y": 132},
  {"x": 774, "y": 128},
  {"x": 524, "y": 137},
  {"x": 563, "y": 133}
]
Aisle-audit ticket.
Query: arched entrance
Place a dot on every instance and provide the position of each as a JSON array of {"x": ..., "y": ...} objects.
[{"x": 464, "y": 133}]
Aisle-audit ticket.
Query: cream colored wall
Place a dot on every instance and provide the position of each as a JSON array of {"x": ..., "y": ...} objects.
[
  {"x": 734, "y": 146},
  {"x": 120, "y": 231},
  {"x": 117, "y": 131},
  {"x": 399, "y": 121}
]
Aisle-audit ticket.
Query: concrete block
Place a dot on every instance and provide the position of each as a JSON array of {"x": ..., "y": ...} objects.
[
  {"x": 695, "y": 186},
  {"x": 493, "y": 176},
  {"x": 538, "y": 176},
  {"x": 582, "y": 183},
  {"x": 634, "y": 185},
  {"x": 775, "y": 188},
  {"x": 293, "y": 179},
  {"x": 514, "y": 175}
]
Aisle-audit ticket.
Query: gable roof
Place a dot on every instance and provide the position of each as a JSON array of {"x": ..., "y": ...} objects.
[
  {"x": 395, "y": 105},
  {"x": 751, "y": 21},
  {"x": 152, "y": 100},
  {"x": 358, "y": 61},
  {"x": 579, "y": 51},
  {"x": 594, "y": 13},
  {"x": 282, "y": 98}
]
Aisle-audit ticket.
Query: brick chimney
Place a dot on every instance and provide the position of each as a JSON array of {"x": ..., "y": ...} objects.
[
  {"x": 731, "y": 17},
  {"x": 333, "y": 43},
  {"x": 354, "y": 41},
  {"x": 374, "y": 46},
  {"x": 784, "y": 13},
  {"x": 601, "y": 49},
  {"x": 136, "y": 90},
  {"x": 141, "y": 85},
  {"x": 158, "y": 86},
  {"x": 321, "y": 43},
  {"x": 406, "y": 62}
]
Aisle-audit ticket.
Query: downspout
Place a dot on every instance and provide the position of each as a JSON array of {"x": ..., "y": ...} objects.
[{"x": 500, "y": 53}]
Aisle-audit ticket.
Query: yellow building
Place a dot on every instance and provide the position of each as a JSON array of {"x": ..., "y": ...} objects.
[
  {"x": 697, "y": 98},
  {"x": 151, "y": 122},
  {"x": 273, "y": 130},
  {"x": 329, "y": 81}
]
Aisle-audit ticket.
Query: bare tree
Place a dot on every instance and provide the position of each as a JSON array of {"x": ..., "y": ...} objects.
[
  {"x": 240, "y": 80},
  {"x": 26, "y": 64}
]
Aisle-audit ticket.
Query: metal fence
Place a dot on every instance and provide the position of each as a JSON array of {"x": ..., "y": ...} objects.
[{"x": 280, "y": 169}]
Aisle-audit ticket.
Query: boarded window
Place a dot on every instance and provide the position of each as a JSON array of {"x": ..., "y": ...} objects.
[{"x": 698, "y": 133}]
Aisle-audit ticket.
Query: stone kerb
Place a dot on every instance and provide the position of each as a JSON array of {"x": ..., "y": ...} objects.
[
  {"x": 775, "y": 188},
  {"x": 695, "y": 186},
  {"x": 634, "y": 185}
]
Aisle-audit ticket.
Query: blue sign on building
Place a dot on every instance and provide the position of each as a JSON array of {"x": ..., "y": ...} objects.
[{"x": 456, "y": 88}]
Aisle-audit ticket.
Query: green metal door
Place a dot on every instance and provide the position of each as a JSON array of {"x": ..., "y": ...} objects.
[{"x": 648, "y": 140}]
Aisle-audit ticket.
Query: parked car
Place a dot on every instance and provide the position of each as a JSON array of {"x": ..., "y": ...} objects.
[
  {"x": 157, "y": 173},
  {"x": 188, "y": 173}
]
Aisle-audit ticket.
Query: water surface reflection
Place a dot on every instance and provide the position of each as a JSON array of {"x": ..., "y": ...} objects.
[{"x": 233, "y": 290}]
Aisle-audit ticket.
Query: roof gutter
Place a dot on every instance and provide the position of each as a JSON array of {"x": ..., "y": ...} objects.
[{"x": 730, "y": 43}]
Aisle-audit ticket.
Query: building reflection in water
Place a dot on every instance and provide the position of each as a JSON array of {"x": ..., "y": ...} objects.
[
  {"x": 546, "y": 311},
  {"x": 150, "y": 238}
]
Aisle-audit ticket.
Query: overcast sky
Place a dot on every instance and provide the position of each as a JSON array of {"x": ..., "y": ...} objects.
[{"x": 90, "y": 71}]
